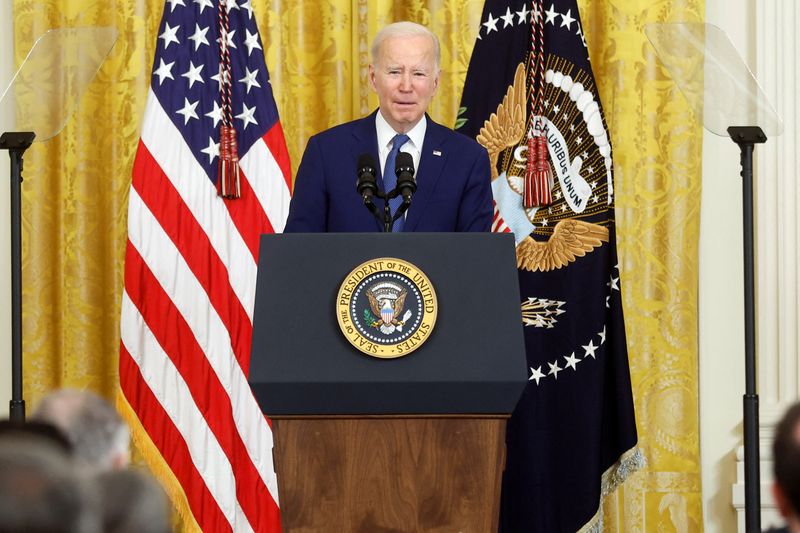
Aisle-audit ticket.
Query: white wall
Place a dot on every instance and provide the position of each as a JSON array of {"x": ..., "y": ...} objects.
[{"x": 6, "y": 71}]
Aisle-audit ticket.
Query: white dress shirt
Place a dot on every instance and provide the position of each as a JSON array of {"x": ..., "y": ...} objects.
[{"x": 413, "y": 146}]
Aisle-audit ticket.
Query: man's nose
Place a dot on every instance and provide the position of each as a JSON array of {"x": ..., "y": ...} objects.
[{"x": 405, "y": 82}]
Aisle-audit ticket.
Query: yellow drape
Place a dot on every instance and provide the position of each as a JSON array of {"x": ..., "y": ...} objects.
[{"x": 76, "y": 186}]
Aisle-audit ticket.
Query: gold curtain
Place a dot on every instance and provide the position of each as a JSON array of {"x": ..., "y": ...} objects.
[{"x": 76, "y": 186}]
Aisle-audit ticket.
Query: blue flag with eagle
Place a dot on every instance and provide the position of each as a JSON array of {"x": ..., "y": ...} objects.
[{"x": 530, "y": 98}]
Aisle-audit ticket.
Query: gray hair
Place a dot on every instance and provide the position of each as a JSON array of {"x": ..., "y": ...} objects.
[
  {"x": 100, "y": 437},
  {"x": 405, "y": 29}
]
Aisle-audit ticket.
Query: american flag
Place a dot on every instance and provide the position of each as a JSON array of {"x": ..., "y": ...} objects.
[{"x": 190, "y": 267}]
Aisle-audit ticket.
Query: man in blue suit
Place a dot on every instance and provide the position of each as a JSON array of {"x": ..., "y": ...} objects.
[{"x": 452, "y": 171}]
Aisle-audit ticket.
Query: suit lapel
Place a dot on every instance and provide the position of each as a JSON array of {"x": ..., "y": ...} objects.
[{"x": 431, "y": 164}]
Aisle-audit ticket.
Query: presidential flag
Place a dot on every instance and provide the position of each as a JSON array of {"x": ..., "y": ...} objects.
[
  {"x": 530, "y": 98},
  {"x": 190, "y": 264}
]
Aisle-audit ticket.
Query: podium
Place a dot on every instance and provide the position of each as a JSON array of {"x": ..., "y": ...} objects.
[{"x": 410, "y": 443}]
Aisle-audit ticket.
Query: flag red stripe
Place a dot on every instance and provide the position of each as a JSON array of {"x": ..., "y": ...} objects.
[
  {"x": 178, "y": 222},
  {"x": 177, "y": 340},
  {"x": 249, "y": 217},
  {"x": 170, "y": 443},
  {"x": 276, "y": 142}
]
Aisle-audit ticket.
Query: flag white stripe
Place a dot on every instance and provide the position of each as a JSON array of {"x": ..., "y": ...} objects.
[
  {"x": 169, "y": 149},
  {"x": 187, "y": 294},
  {"x": 173, "y": 394},
  {"x": 266, "y": 179}
]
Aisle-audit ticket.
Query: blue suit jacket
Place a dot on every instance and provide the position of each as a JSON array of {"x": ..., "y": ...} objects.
[{"x": 453, "y": 183}]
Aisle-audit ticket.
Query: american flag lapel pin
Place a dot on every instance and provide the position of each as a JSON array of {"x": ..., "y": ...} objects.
[{"x": 437, "y": 153}]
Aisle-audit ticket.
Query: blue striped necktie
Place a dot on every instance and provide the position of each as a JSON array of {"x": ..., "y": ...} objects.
[{"x": 390, "y": 178}]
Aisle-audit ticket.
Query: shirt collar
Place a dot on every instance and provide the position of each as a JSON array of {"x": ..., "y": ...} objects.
[{"x": 386, "y": 133}]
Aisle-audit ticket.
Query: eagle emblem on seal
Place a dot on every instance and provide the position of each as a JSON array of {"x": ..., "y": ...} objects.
[{"x": 387, "y": 301}]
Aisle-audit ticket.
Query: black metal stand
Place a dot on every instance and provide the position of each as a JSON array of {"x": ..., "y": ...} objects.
[
  {"x": 746, "y": 137},
  {"x": 16, "y": 143},
  {"x": 387, "y": 220}
]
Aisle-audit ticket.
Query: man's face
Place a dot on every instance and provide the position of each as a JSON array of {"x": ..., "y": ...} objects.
[{"x": 405, "y": 77}]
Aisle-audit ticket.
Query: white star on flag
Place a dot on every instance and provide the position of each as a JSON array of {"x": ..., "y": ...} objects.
[
  {"x": 215, "y": 114},
  {"x": 204, "y": 4},
  {"x": 590, "y": 349},
  {"x": 508, "y": 18},
  {"x": 169, "y": 35},
  {"x": 174, "y": 3},
  {"x": 199, "y": 36},
  {"x": 212, "y": 149},
  {"x": 250, "y": 79},
  {"x": 164, "y": 70},
  {"x": 249, "y": 9},
  {"x": 572, "y": 361},
  {"x": 491, "y": 24},
  {"x": 554, "y": 369},
  {"x": 536, "y": 374},
  {"x": 551, "y": 15},
  {"x": 614, "y": 283},
  {"x": 602, "y": 335},
  {"x": 247, "y": 116},
  {"x": 229, "y": 39},
  {"x": 188, "y": 110},
  {"x": 523, "y": 15},
  {"x": 193, "y": 74},
  {"x": 251, "y": 42},
  {"x": 567, "y": 19}
]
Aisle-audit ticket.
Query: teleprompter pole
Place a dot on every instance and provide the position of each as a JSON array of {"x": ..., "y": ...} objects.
[
  {"x": 16, "y": 143},
  {"x": 747, "y": 137}
]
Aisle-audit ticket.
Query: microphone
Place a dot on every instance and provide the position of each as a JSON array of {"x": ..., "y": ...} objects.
[
  {"x": 404, "y": 170},
  {"x": 366, "y": 185}
]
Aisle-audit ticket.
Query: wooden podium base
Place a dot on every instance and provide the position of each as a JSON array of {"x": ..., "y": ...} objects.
[{"x": 389, "y": 474}]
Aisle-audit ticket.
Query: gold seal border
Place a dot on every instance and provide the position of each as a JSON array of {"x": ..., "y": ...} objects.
[{"x": 375, "y": 266}]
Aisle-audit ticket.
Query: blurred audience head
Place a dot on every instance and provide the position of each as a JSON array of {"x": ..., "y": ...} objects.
[
  {"x": 786, "y": 463},
  {"x": 132, "y": 502},
  {"x": 99, "y": 437},
  {"x": 36, "y": 429},
  {"x": 40, "y": 490}
]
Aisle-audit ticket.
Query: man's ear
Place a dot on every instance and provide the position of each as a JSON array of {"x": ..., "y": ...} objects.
[
  {"x": 372, "y": 77},
  {"x": 781, "y": 500}
]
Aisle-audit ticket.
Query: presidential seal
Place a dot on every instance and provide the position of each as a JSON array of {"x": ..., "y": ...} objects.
[{"x": 386, "y": 307}]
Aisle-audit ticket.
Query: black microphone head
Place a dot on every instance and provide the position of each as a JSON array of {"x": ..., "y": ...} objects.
[
  {"x": 404, "y": 169},
  {"x": 404, "y": 163},
  {"x": 366, "y": 185},
  {"x": 366, "y": 163}
]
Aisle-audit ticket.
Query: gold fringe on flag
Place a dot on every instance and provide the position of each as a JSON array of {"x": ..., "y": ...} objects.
[{"x": 158, "y": 467}]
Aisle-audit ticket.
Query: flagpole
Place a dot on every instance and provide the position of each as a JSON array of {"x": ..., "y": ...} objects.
[
  {"x": 746, "y": 137},
  {"x": 16, "y": 143}
]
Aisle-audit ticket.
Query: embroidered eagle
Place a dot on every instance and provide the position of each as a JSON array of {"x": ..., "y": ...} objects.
[
  {"x": 571, "y": 238},
  {"x": 505, "y": 127},
  {"x": 386, "y": 310}
]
